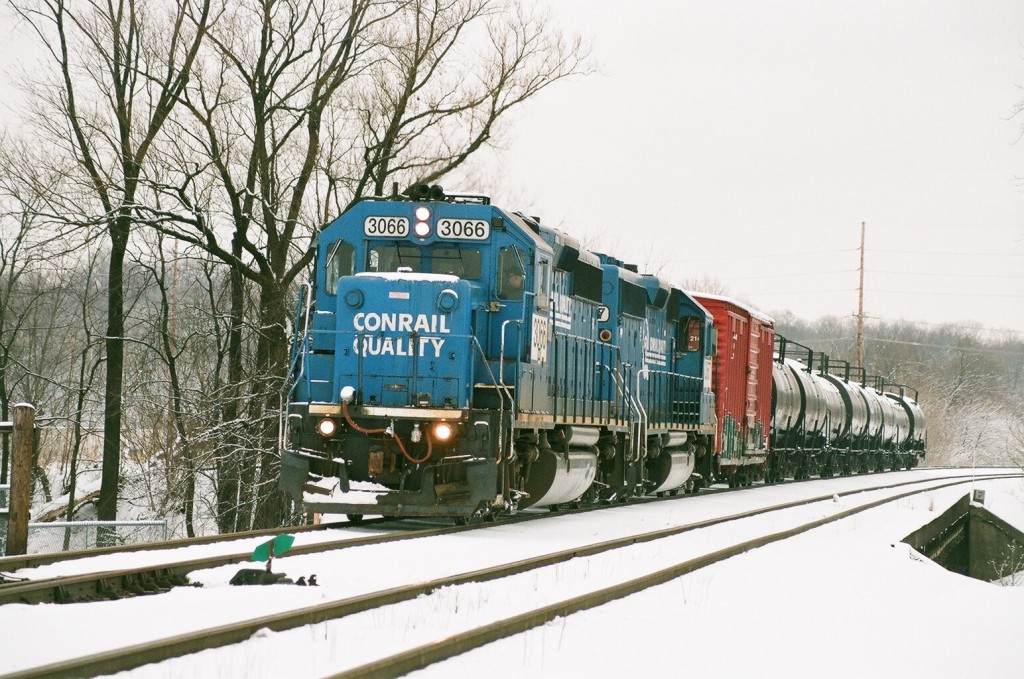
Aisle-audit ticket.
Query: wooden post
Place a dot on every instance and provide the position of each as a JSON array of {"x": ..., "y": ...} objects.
[{"x": 21, "y": 478}]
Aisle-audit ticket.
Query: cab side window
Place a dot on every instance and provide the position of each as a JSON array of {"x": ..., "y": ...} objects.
[
  {"x": 511, "y": 274},
  {"x": 693, "y": 331},
  {"x": 340, "y": 262},
  {"x": 543, "y": 271}
]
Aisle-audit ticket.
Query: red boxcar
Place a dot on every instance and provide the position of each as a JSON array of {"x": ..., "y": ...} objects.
[{"x": 742, "y": 382}]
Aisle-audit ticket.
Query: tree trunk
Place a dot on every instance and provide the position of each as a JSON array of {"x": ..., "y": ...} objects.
[
  {"x": 107, "y": 505},
  {"x": 228, "y": 458},
  {"x": 272, "y": 361}
]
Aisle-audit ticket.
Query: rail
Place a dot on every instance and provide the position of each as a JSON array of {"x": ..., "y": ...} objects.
[
  {"x": 409, "y": 660},
  {"x": 419, "y": 657}
]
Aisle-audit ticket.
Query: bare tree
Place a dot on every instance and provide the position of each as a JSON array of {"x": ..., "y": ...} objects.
[
  {"x": 240, "y": 129},
  {"x": 119, "y": 68},
  {"x": 299, "y": 110}
]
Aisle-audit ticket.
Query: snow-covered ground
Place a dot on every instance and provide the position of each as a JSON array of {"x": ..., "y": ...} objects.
[{"x": 847, "y": 599}]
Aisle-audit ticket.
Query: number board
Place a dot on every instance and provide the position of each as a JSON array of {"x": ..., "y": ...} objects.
[
  {"x": 464, "y": 229},
  {"x": 388, "y": 227}
]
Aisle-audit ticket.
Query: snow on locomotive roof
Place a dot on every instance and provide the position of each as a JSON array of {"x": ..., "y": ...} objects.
[
  {"x": 410, "y": 276},
  {"x": 722, "y": 298}
]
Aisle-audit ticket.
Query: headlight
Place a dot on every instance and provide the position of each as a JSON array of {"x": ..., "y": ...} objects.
[
  {"x": 447, "y": 300},
  {"x": 354, "y": 298},
  {"x": 443, "y": 431},
  {"x": 422, "y": 213},
  {"x": 327, "y": 427},
  {"x": 422, "y": 229}
]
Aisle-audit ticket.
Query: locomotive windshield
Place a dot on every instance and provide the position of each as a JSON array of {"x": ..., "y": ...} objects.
[
  {"x": 390, "y": 257},
  {"x": 461, "y": 262},
  {"x": 466, "y": 263}
]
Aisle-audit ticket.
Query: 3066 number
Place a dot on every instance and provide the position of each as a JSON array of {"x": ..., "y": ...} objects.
[
  {"x": 396, "y": 227},
  {"x": 465, "y": 229}
]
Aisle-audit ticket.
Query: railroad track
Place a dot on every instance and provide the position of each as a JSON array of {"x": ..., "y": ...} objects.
[
  {"x": 12, "y": 563},
  {"x": 419, "y": 656},
  {"x": 161, "y": 576}
]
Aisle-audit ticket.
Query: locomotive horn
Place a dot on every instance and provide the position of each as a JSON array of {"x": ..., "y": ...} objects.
[
  {"x": 417, "y": 191},
  {"x": 436, "y": 192}
]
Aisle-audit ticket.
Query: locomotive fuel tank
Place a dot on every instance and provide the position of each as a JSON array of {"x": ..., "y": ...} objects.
[
  {"x": 672, "y": 467},
  {"x": 560, "y": 476}
]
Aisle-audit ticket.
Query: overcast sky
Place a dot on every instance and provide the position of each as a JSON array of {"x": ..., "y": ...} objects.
[{"x": 747, "y": 141}]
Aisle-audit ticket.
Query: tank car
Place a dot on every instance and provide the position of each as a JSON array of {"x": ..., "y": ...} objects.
[
  {"x": 826, "y": 422},
  {"x": 914, "y": 444},
  {"x": 810, "y": 418},
  {"x": 455, "y": 359}
]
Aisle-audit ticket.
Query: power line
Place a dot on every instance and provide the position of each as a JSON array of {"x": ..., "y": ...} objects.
[
  {"x": 947, "y": 274},
  {"x": 948, "y": 324},
  {"x": 948, "y": 294},
  {"x": 969, "y": 350},
  {"x": 791, "y": 275},
  {"x": 769, "y": 256},
  {"x": 816, "y": 291},
  {"x": 872, "y": 291},
  {"x": 958, "y": 254}
]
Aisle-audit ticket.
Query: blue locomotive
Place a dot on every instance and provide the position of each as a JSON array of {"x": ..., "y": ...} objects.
[{"x": 456, "y": 359}]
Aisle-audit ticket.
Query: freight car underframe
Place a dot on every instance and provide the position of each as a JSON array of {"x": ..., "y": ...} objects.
[{"x": 799, "y": 457}]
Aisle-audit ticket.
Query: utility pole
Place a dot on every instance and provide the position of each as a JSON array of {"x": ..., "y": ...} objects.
[{"x": 860, "y": 305}]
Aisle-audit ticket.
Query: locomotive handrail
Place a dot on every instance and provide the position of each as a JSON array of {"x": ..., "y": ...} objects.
[
  {"x": 641, "y": 437},
  {"x": 615, "y": 378},
  {"x": 685, "y": 379},
  {"x": 501, "y": 350},
  {"x": 297, "y": 360},
  {"x": 502, "y": 387},
  {"x": 625, "y": 394},
  {"x": 298, "y": 357},
  {"x": 637, "y": 421}
]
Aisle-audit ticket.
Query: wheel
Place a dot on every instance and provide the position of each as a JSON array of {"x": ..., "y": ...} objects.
[{"x": 355, "y": 519}]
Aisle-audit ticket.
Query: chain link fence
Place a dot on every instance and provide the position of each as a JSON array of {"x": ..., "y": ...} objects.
[
  {"x": 61, "y": 536},
  {"x": 58, "y": 536},
  {"x": 5, "y": 504}
]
